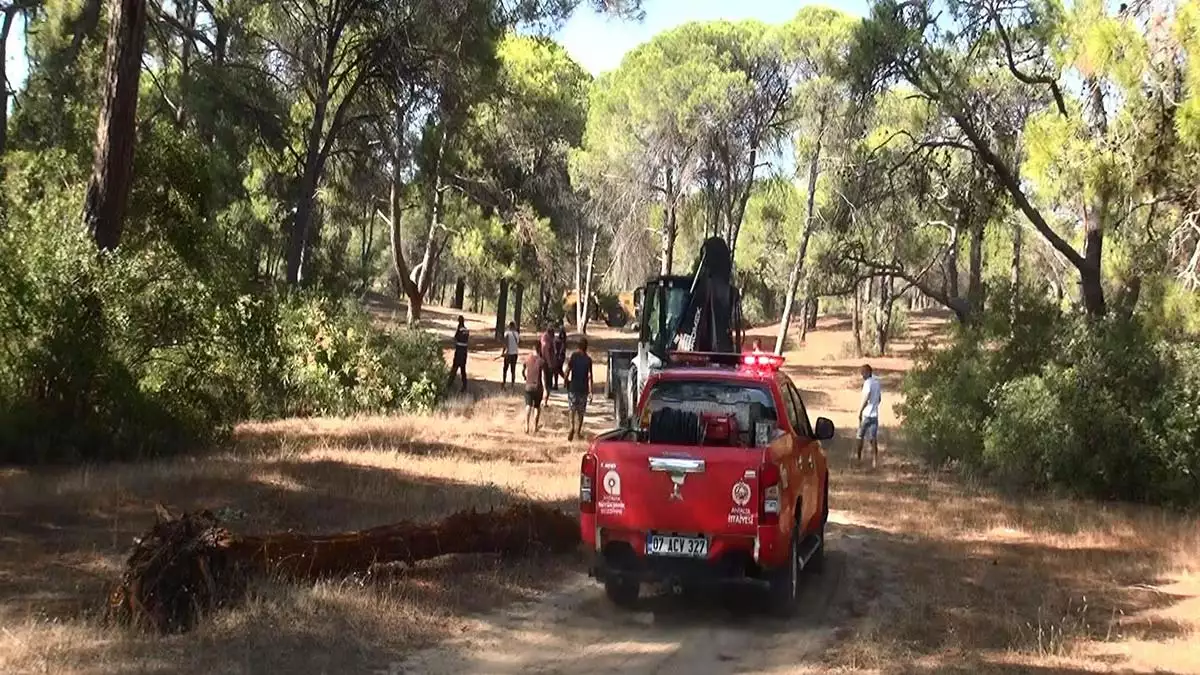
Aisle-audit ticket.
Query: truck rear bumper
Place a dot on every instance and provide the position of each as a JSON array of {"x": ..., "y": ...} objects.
[{"x": 733, "y": 569}]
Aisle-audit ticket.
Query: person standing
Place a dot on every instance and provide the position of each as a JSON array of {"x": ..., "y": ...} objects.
[
  {"x": 461, "y": 338},
  {"x": 868, "y": 415},
  {"x": 579, "y": 387},
  {"x": 560, "y": 352},
  {"x": 512, "y": 342},
  {"x": 532, "y": 372},
  {"x": 546, "y": 351}
]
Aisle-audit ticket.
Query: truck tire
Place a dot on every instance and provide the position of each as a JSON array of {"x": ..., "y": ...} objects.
[
  {"x": 785, "y": 582},
  {"x": 817, "y": 562},
  {"x": 622, "y": 591}
]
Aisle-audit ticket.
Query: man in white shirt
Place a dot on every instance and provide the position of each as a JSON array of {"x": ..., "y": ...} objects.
[
  {"x": 868, "y": 415},
  {"x": 512, "y": 344}
]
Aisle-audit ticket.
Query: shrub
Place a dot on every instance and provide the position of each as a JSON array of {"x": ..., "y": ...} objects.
[
  {"x": 1027, "y": 429},
  {"x": 946, "y": 402},
  {"x": 151, "y": 350},
  {"x": 1102, "y": 408},
  {"x": 337, "y": 363}
]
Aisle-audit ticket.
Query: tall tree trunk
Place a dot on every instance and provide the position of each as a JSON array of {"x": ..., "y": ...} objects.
[
  {"x": 1015, "y": 275},
  {"x": 187, "y": 17},
  {"x": 589, "y": 271},
  {"x": 883, "y": 314},
  {"x": 501, "y": 309},
  {"x": 460, "y": 291},
  {"x": 952, "y": 289},
  {"x": 367, "y": 246},
  {"x": 814, "y": 165},
  {"x": 739, "y": 208},
  {"x": 436, "y": 205},
  {"x": 976, "y": 291},
  {"x": 669, "y": 224},
  {"x": 10, "y": 14},
  {"x": 804, "y": 321},
  {"x": 306, "y": 200},
  {"x": 414, "y": 283},
  {"x": 856, "y": 318},
  {"x": 112, "y": 166},
  {"x": 1090, "y": 280},
  {"x": 518, "y": 299},
  {"x": 580, "y": 307}
]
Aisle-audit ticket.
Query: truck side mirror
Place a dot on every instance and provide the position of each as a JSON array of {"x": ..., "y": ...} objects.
[{"x": 824, "y": 429}]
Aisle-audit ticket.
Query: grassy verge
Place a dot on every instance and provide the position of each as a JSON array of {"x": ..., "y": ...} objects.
[
  {"x": 946, "y": 576},
  {"x": 66, "y": 532}
]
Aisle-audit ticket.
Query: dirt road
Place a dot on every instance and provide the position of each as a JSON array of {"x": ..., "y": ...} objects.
[{"x": 577, "y": 631}]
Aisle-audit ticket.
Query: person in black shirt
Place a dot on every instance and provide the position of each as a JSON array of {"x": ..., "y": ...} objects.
[
  {"x": 460, "y": 353},
  {"x": 560, "y": 352},
  {"x": 579, "y": 387}
]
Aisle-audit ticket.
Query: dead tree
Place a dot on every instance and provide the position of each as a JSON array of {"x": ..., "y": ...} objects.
[{"x": 184, "y": 567}]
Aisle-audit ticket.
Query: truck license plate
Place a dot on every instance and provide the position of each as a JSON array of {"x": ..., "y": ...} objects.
[{"x": 684, "y": 547}]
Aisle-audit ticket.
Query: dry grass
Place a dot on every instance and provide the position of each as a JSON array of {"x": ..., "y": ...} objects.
[
  {"x": 939, "y": 575},
  {"x": 65, "y": 534},
  {"x": 944, "y": 575}
]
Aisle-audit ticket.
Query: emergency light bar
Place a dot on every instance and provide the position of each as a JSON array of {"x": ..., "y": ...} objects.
[
  {"x": 764, "y": 361},
  {"x": 755, "y": 360}
]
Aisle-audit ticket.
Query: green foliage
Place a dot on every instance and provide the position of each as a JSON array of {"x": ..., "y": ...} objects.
[
  {"x": 159, "y": 347},
  {"x": 1100, "y": 408},
  {"x": 338, "y": 363}
]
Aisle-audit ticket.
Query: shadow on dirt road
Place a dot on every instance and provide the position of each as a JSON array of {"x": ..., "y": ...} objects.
[{"x": 578, "y": 631}]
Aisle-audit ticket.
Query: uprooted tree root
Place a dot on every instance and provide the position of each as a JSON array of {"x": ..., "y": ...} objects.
[{"x": 188, "y": 565}]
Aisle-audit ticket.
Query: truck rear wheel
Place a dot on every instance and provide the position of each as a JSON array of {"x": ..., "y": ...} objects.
[
  {"x": 622, "y": 591},
  {"x": 785, "y": 582}
]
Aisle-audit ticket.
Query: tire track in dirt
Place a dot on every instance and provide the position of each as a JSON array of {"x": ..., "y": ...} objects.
[{"x": 576, "y": 630}]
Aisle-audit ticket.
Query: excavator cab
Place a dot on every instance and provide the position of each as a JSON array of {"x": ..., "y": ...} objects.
[
  {"x": 664, "y": 301},
  {"x": 700, "y": 312}
]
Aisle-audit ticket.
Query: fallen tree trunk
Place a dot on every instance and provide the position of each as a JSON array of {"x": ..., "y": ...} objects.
[{"x": 186, "y": 566}]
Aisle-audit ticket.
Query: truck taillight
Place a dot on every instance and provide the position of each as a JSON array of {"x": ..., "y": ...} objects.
[
  {"x": 587, "y": 484},
  {"x": 768, "y": 494}
]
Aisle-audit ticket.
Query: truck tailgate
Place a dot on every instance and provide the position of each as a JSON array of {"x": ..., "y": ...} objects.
[{"x": 681, "y": 489}]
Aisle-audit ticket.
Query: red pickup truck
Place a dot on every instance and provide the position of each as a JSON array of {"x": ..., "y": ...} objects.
[{"x": 722, "y": 480}]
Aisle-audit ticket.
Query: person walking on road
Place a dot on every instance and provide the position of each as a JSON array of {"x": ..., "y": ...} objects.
[
  {"x": 579, "y": 387},
  {"x": 868, "y": 415},
  {"x": 560, "y": 350},
  {"x": 512, "y": 342},
  {"x": 461, "y": 338},
  {"x": 546, "y": 350},
  {"x": 532, "y": 372}
]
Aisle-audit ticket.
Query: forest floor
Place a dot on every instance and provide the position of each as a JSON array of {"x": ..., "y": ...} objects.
[{"x": 927, "y": 573}]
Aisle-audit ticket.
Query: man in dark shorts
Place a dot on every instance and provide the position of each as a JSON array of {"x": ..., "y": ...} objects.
[
  {"x": 533, "y": 389},
  {"x": 461, "y": 337},
  {"x": 579, "y": 387},
  {"x": 510, "y": 352}
]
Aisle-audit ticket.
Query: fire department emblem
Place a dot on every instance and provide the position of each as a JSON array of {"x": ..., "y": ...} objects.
[
  {"x": 741, "y": 493},
  {"x": 612, "y": 483}
]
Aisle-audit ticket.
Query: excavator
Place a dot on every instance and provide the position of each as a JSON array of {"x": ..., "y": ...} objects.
[{"x": 701, "y": 312}]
